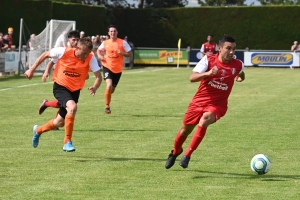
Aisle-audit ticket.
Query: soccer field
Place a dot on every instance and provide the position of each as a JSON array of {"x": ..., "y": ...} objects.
[{"x": 122, "y": 155}]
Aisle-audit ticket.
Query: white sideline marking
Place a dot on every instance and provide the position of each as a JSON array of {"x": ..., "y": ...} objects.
[
  {"x": 22, "y": 86},
  {"x": 155, "y": 70},
  {"x": 133, "y": 72},
  {"x": 28, "y": 85}
]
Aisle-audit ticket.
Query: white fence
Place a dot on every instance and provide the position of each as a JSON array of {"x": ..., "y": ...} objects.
[{"x": 9, "y": 61}]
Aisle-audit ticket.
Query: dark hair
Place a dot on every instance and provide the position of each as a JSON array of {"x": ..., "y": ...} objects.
[
  {"x": 112, "y": 26},
  {"x": 86, "y": 42},
  {"x": 211, "y": 35},
  {"x": 226, "y": 38},
  {"x": 74, "y": 34}
]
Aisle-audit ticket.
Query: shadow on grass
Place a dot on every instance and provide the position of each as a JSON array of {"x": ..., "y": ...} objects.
[
  {"x": 123, "y": 130},
  {"x": 266, "y": 177},
  {"x": 121, "y": 159}
]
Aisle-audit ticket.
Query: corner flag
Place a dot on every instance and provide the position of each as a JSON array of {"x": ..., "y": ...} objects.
[{"x": 179, "y": 43}]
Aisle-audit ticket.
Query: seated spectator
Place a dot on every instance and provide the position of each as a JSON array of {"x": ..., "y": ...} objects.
[
  {"x": 3, "y": 46},
  {"x": 295, "y": 47}
]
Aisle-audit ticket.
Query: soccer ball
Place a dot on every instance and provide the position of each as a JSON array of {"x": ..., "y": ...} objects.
[{"x": 260, "y": 164}]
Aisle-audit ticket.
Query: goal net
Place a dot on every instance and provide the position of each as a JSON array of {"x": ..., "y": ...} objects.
[{"x": 46, "y": 40}]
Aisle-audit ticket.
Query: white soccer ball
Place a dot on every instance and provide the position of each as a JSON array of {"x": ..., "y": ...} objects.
[{"x": 260, "y": 164}]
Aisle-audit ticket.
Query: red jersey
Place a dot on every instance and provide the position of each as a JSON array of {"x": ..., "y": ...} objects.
[
  {"x": 209, "y": 48},
  {"x": 215, "y": 90}
]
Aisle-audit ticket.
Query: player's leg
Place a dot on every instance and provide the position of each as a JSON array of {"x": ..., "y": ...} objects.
[
  {"x": 210, "y": 115},
  {"x": 206, "y": 119},
  {"x": 107, "y": 76},
  {"x": 190, "y": 120},
  {"x": 69, "y": 125},
  {"x": 39, "y": 130},
  {"x": 180, "y": 138},
  {"x": 45, "y": 104}
]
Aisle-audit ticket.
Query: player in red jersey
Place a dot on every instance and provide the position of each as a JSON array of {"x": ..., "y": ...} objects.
[
  {"x": 216, "y": 73},
  {"x": 209, "y": 47}
]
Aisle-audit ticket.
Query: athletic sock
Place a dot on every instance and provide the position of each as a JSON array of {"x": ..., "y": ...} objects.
[
  {"x": 53, "y": 104},
  {"x": 196, "y": 140},
  {"x": 179, "y": 140},
  {"x": 107, "y": 96},
  {"x": 46, "y": 127},
  {"x": 69, "y": 125}
]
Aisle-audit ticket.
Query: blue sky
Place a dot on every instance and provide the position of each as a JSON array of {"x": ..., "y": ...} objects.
[{"x": 195, "y": 2}]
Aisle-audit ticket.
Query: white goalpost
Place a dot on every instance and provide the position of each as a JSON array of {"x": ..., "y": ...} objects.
[{"x": 47, "y": 38}]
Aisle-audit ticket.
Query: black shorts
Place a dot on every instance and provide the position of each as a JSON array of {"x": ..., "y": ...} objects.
[
  {"x": 63, "y": 95},
  {"x": 115, "y": 77}
]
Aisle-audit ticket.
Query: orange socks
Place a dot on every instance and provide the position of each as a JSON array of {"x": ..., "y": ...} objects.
[
  {"x": 107, "y": 96},
  {"x": 69, "y": 125},
  {"x": 46, "y": 127}
]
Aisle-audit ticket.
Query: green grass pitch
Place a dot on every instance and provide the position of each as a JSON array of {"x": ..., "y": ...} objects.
[{"x": 122, "y": 155}]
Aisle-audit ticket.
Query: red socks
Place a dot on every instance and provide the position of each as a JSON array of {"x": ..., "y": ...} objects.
[
  {"x": 179, "y": 140},
  {"x": 196, "y": 140},
  {"x": 53, "y": 104}
]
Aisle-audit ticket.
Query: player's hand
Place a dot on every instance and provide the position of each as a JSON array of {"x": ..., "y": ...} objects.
[
  {"x": 238, "y": 79},
  {"x": 214, "y": 71},
  {"x": 92, "y": 90},
  {"x": 29, "y": 74},
  {"x": 45, "y": 76}
]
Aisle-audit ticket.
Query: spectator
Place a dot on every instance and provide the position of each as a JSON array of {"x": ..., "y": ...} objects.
[
  {"x": 5, "y": 39},
  {"x": 81, "y": 34},
  {"x": 1, "y": 34},
  {"x": 61, "y": 40},
  {"x": 29, "y": 42},
  {"x": 10, "y": 38},
  {"x": 130, "y": 43},
  {"x": 295, "y": 47},
  {"x": 128, "y": 60},
  {"x": 3, "y": 46},
  {"x": 209, "y": 47}
]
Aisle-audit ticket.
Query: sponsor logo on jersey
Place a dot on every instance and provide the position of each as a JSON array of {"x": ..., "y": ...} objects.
[
  {"x": 218, "y": 85},
  {"x": 71, "y": 74},
  {"x": 272, "y": 58}
]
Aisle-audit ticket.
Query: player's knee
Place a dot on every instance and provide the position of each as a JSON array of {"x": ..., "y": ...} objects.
[
  {"x": 207, "y": 119},
  {"x": 59, "y": 122},
  {"x": 186, "y": 130},
  {"x": 71, "y": 108}
]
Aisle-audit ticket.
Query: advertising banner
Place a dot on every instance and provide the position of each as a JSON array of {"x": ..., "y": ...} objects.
[
  {"x": 271, "y": 59},
  {"x": 161, "y": 57}
]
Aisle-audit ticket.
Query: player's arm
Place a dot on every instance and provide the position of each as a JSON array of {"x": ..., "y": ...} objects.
[
  {"x": 240, "y": 77},
  {"x": 47, "y": 70},
  {"x": 29, "y": 73},
  {"x": 127, "y": 48},
  {"x": 202, "y": 50},
  {"x": 96, "y": 69},
  {"x": 200, "y": 71},
  {"x": 100, "y": 51}
]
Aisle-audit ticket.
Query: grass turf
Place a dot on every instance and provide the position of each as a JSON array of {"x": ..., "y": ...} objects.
[{"x": 122, "y": 155}]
